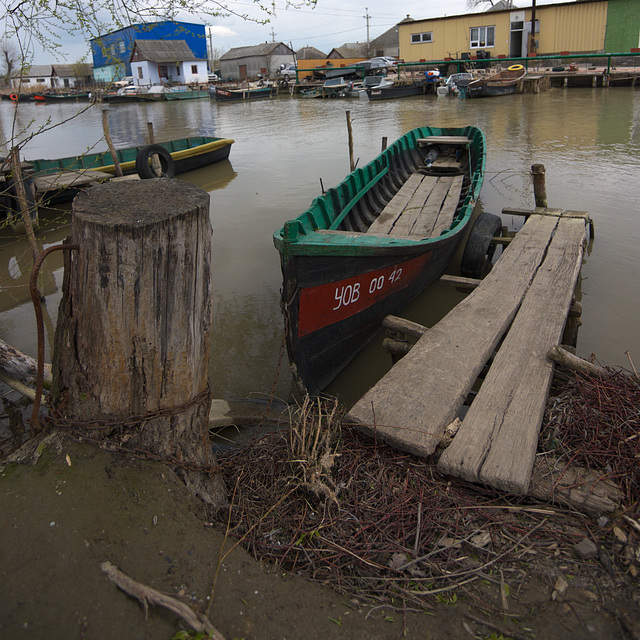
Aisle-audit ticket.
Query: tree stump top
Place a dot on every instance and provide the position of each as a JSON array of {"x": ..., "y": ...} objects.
[{"x": 138, "y": 203}]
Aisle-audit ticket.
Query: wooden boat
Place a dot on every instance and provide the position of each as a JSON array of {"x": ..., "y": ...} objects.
[
  {"x": 499, "y": 84},
  {"x": 367, "y": 247},
  {"x": 186, "y": 94},
  {"x": 62, "y": 97},
  {"x": 397, "y": 90},
  {"x": 238, "y": 95},
  {"x": 61, "y": 178}
]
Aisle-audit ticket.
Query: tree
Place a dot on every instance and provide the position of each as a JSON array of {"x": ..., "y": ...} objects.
[
  {"x": 9, "y": 59},
  {"x": 504, "y": 4}
]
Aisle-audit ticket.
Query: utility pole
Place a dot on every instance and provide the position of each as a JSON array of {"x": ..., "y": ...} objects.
[
  {"x": 366, "y": 17},
  {"x": 273, "y": 35}
]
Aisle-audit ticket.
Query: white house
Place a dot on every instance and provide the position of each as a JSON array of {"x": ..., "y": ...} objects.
[
  {"x": 166, "y": 61},
  {"x": 52, "y": 76}
]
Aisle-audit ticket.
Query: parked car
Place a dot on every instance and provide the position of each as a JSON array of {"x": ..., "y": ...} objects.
[
  {"x": 288, "y": 72},
  {"x": 213, "y": 77},
  {"x": 381, "y": 61}
]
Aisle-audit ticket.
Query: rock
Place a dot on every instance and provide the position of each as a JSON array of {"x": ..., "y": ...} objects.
[{"x": 587, "y": 549}]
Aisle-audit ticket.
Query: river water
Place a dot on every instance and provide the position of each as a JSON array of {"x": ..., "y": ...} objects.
[{"x": 286, "y": 149}]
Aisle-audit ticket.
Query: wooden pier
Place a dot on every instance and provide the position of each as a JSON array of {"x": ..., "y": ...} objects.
[{"x": 512, "y": 318}]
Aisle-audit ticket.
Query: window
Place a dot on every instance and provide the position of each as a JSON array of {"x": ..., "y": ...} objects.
[
  {"x": 177, "y": 69},
  {"x": 41, "y": 80},
  {"x": 121, "y": 46},
  {"x": 112, "y": 50},
  {"x": 427, "y": 36},
  {"x": 194, "y": 69},
  {"x": 162, "y": 71},
  {"x": 481, "y": 37},
  {"x": 140, "y": 73}
]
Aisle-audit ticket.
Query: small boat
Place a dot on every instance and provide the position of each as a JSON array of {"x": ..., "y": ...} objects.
[
  {"x": 239, "y": 95},
  {"x": 62, "y": 97},
  {"x": 369, "y": 246},
  {"x": 61, "y": 178},
  {"x": 371, "y": 82},
  {"x": 398, "y": 90},
  {"x": 499, "y": 84},
  {"x": 185, "y": 94}
]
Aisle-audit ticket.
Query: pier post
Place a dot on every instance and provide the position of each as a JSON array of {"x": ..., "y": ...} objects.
[
  {"x": 131, "y": 352},
  {"x": 539, "y": 185},
  {"x": 107, "y": 137}
]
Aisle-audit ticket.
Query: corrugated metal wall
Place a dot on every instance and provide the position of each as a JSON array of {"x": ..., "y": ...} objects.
[{"x": 578, "y": 28}]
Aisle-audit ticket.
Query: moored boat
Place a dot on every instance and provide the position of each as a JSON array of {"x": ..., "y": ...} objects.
[
  {"x": 239, "y": 95},
  {"x": 185, "y": 94},
  {"x": 55, "y": 178},
  {"x": 397, "y": 90},
  {"x": 501, "y": 83},
  {"x": 369, "y": 246}
]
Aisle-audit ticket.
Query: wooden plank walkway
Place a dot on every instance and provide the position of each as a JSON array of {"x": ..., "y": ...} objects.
[
  {"x": 424, "y": 206},
  {"x": 69, "y": 179},
  {"x": 411, "y": 406}
]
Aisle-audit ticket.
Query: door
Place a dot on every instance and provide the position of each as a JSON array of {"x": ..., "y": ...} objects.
[{"x": 243, "y": 72}]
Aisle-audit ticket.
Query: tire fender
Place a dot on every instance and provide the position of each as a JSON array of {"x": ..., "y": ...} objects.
[
  {"x": 478, "y": 250},
  {"x": 143, "y": 162}
]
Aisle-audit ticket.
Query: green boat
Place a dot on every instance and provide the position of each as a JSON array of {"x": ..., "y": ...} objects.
[
  {"x": 55, "y": 178},
  {"x": 369, "y": 246}
]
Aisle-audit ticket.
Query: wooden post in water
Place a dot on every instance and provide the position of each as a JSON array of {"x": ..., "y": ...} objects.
[
  {"x": 152, "y": 137},
  {"x": 107, "y": 137},
  {"x": 350, "y": 132},
  {"x": 131, "y": 352},
  {"x": 384, "y": 142},
  {"x": 23, "y": 204},
  {"x": 539, "y": 185}
]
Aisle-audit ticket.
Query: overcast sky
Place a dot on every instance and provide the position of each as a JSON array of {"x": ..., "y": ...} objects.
[{"x": 330, "y": 24}]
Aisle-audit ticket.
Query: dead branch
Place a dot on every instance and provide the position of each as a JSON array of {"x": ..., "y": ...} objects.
[{"x": 148, "y": 595}]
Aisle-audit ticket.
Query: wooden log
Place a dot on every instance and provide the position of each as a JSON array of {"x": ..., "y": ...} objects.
[
  {"x": 566, "y": 359},
  {"x": 406, "y": 327},
  {"x": 539, "y": 185},
  {"x": 132, "y": 340},
  {"x": 582, "y": 489},
  {"x": 20, "y": 366}
]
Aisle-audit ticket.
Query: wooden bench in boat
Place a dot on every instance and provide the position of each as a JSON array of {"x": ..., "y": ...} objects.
[
  {"x": 423, "y": 207},
  {"x": 526, "y": 297}
]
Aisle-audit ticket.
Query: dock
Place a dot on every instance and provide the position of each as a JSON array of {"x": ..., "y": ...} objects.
[{"x": 508, "y": 323}]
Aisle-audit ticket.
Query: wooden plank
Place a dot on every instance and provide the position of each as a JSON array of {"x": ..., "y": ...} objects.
[
  {"x": 449, "y": 207},
  {"x": 388, "y": 216},
  {"x": 497, "y": 441},
  {"x": 411, "y": 405},
  {"x": 427, "y": 211},
  {"x": 66, "y": 179},
  {"x": 444, "y": 140},
  {"x": 404, "y": 223}
]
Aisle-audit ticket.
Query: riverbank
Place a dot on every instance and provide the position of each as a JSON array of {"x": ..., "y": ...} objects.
[{"x": 321, "y": 564}]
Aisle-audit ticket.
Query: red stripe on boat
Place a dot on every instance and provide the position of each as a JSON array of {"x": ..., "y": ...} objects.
[{"x": 327, "y": 304}]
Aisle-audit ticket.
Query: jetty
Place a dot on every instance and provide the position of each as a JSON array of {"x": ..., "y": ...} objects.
[{"x": 503, "y": 330}]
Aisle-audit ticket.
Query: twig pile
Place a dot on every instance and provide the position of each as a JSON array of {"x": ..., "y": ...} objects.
[
  {"x": 375, "y": 523},
  {"x": 595, "y": 423}
]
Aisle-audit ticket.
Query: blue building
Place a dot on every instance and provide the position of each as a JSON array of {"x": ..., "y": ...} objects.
[{"x": 112, "y": 52}]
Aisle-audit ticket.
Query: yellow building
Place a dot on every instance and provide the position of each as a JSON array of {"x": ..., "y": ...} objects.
[{"x": 590, "y": 26}]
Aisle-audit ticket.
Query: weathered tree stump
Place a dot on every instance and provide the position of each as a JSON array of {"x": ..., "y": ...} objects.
[{"x": 132, "y": 347}]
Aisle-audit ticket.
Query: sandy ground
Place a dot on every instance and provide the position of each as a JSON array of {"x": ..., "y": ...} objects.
[{"x": 80, "y": 506}]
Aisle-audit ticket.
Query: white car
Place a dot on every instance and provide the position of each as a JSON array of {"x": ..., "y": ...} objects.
[{"x": 288, "y": 73}]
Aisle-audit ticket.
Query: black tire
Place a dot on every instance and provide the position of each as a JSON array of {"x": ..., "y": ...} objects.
[
  {"x": 334, "y": 94},
  {"x": 478, "y": 252},
  {"x": 143, "y": 162}
]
